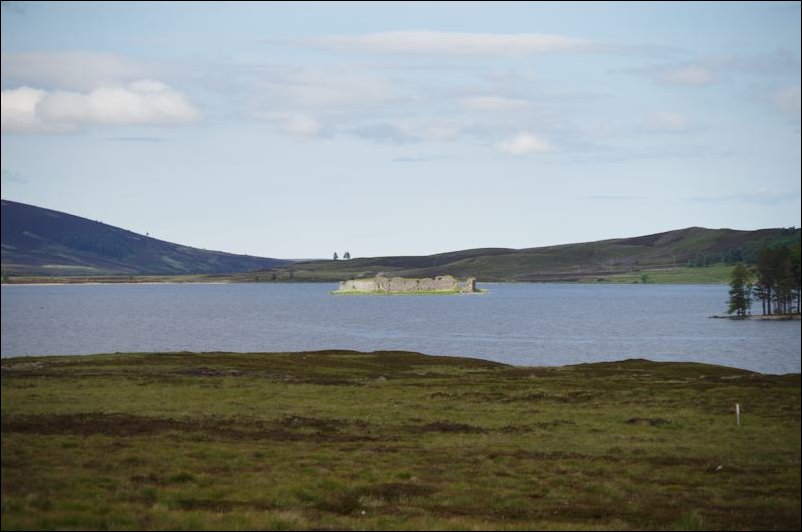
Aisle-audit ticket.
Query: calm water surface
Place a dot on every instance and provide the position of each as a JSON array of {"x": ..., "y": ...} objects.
[{"x": 526, "y": 324}]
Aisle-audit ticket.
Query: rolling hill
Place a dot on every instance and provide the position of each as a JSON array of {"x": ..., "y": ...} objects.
[
  {"x": 37, "y": 241},
  {"x": 43, "y": 242},
  {"x": 623, "y": 258}
]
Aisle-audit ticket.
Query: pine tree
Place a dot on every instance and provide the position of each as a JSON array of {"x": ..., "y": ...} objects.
[
  {"x": 766, "y": 277},
  {"x": 740, "y": 291},
  {"x": 759, "y": 293},
  {"x": 335, "y": 256},
  {"x": 778, "y": 279},
  {"x": 796, "y": 268}
]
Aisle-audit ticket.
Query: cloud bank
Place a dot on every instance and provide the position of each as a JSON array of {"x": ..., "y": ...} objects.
[
  {"x": 456, "y": 43},
  {"x": 688, "y": 75},
  {"x": 142, "y": 102},
  {"x": 524, "y": 143},
  {"x": 667, "y": 122},
  {"x": 75, "y": 70},
  {"x": 493, "y": 103},
  {"x": 788, "y": 100}
]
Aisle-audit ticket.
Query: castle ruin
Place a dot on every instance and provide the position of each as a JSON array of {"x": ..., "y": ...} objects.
[{"x": 382, "y": 284}]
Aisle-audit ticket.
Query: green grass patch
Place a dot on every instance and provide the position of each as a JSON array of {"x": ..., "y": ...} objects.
[
  {"x": 393, "y": 440},
  {"x": 714, "y": 274}
]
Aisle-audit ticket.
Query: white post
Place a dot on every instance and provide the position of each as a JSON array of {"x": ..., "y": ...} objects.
[{"x": 738, "y": 414}]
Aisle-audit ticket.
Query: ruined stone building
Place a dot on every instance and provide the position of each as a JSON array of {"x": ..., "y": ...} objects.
[{"x": 380, "y": 283}]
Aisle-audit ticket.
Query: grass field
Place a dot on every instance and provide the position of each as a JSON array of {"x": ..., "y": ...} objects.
[
  {"x": 714, "y": 274},
  {"x": 345, "y": 440}
]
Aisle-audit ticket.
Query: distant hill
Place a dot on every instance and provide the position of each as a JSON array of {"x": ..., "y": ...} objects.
[
  {"x": 37, "y": 241},
  {"x": 43, "y": 242},
  {"x": 696, "y": 247}
]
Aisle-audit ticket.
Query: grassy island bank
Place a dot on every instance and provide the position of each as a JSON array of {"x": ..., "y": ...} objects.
[
  {"x": 392, "y": 440},
  {"x": 420, "y": 293}
]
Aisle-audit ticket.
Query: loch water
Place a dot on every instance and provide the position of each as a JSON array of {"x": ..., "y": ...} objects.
[{"x": 522, "y": 324}]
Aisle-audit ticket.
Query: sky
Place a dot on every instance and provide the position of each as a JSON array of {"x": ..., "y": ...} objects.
[{"x": 297, "y": 129}]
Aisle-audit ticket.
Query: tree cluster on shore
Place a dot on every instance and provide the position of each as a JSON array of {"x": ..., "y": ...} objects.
[
  {"x": 747, "y": 252},
  {"x": 775, "y": 280}
]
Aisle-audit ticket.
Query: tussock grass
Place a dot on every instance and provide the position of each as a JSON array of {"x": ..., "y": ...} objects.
[{"x": 393, "y": 440}]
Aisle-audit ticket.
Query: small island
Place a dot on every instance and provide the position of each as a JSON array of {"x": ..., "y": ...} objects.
[{"x": 381, "y": 285}]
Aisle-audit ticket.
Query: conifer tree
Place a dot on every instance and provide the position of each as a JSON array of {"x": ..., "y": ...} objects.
[{"x": 740, "y": 291}]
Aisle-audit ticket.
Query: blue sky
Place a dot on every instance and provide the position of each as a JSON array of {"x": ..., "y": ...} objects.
[{"x": 299, "y": 129}]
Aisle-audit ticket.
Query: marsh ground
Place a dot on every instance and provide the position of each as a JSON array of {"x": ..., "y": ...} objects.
[{"x": 392, "y": 440}]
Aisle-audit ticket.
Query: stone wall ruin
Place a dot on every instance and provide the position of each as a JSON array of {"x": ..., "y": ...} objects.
[{"x": 380, "y": 283}]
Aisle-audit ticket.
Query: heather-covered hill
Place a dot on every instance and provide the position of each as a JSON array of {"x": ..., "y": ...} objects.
[
  {"x": 673, "y": 250},
  {"x": 37, "y": 241}
]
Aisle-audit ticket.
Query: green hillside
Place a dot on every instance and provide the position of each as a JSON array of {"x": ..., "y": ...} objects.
[
  {"x": 37, "y": 241},
  {"x": 674, "y": 254}
]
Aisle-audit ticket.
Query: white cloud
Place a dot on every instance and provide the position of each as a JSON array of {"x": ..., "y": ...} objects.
[
  {"x": 667, "y": 122},
  {"x": 12, "y": 177},
  {"x": 788, "y": 100},
  {"x": 29, "y": 110},
  {"x": 524, "y": 143},
  {"x": 493, "y": 103},
  {"x": 456, "y": 43},
  {"x": 711, "y": 69},
  {"x": 299, "y": 125},
  {"x": 688, "y": 75},
  {"x": 315, "y": 101},
  {"x": 439, "y": 130},
  {"x": 71, "y": 70},
  {"x": 326, "y": 88},
  {"x": 403, "y": 132},
  {"x": 778, "y": 62},
  {"x": 385, "y": 132},
  {"x": 18, "y": 108},
  {"x": 762, "y": 196}
]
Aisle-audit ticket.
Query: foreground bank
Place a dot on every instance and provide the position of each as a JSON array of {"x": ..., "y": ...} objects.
[{"x": 346, "y": 440}]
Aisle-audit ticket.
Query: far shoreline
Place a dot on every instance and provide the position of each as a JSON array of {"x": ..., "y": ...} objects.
[
  {"x": 60, "y": 283},
  {"x": 760, "y": 317},
  {"x": 701, "y": 276},
  {"x": 39, "y": 281}
]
